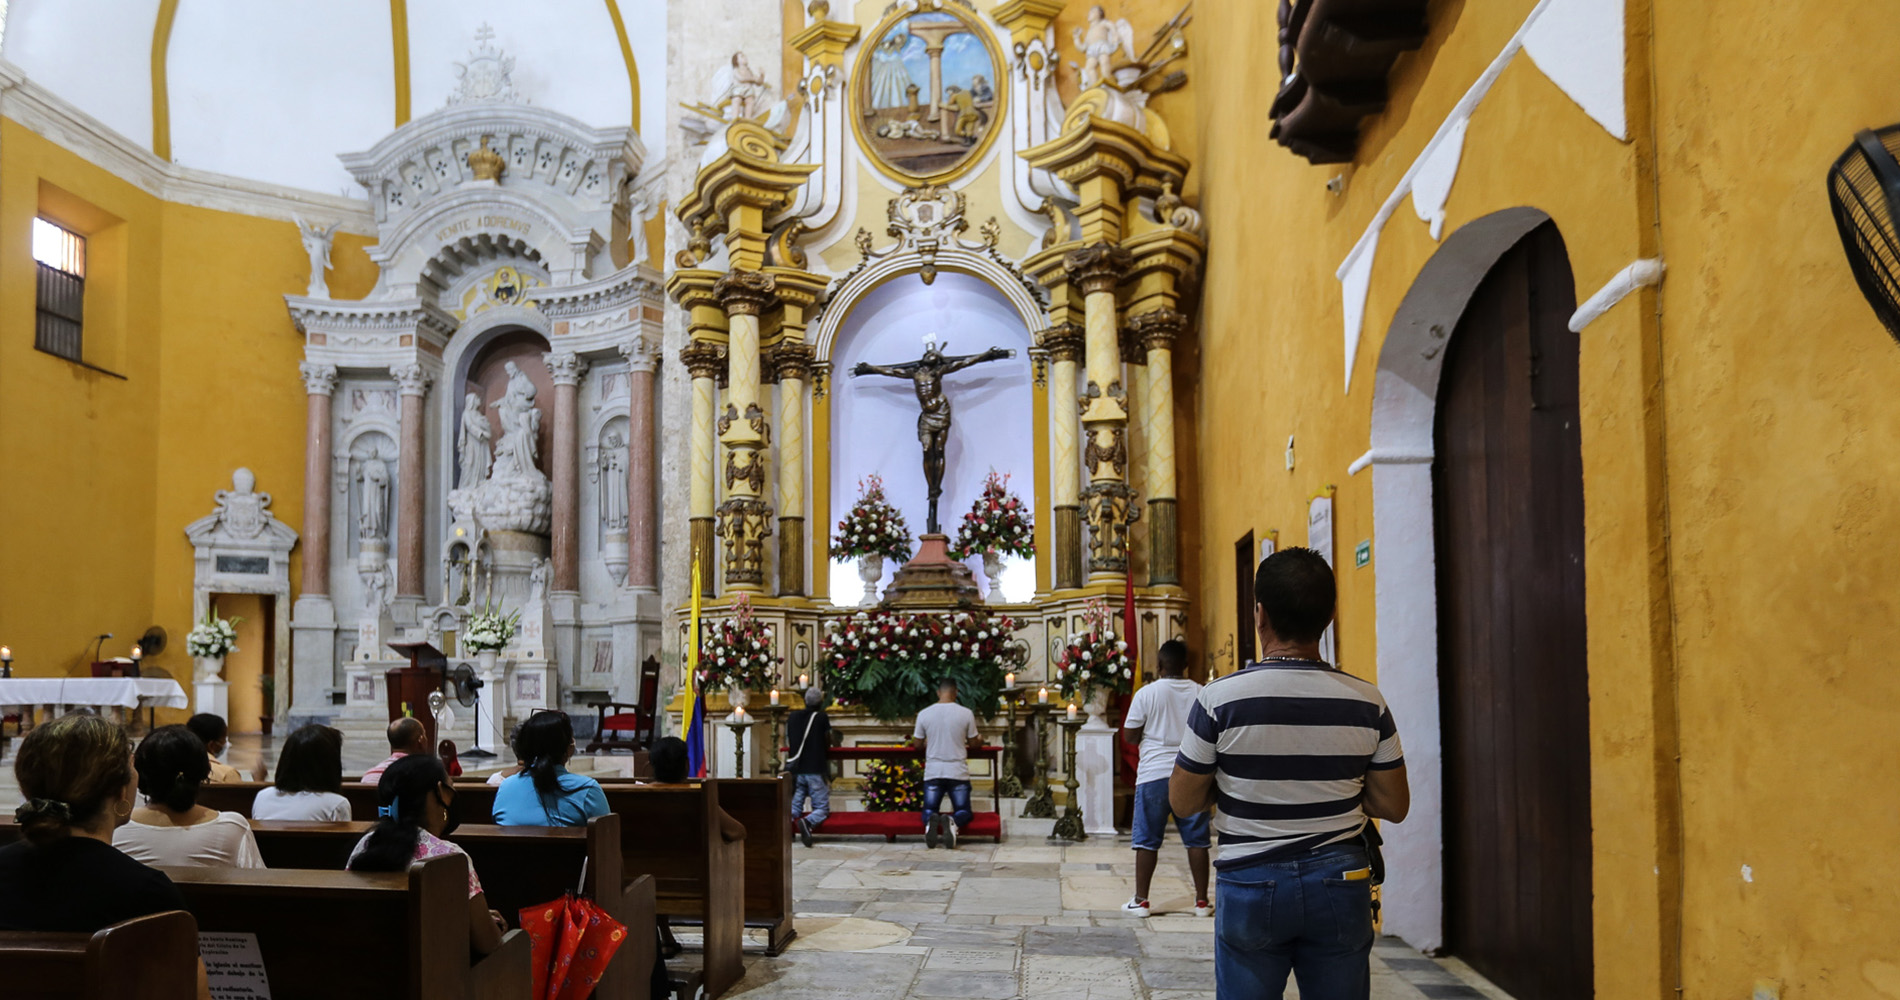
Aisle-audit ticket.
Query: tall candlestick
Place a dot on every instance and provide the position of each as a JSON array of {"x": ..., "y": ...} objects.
[{"x": 1042, "y": 697}]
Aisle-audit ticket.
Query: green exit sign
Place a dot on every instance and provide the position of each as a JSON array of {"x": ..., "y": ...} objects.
[{"x": 1362, "y": 554}]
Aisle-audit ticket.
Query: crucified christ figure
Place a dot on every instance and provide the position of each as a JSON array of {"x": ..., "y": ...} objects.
[{"x": 933, "y": 424}]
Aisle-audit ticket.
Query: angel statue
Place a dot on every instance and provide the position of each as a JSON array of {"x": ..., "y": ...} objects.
[
  {"x": 1098, "y": 43},
  {"x": 740, "y": 89},
  {"x": 316, "y": 243}
]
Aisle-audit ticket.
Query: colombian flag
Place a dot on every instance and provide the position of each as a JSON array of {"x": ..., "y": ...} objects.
[{"x": 695, "y": 716}]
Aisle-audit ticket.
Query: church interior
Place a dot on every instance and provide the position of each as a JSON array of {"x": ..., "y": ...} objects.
[{"x": 681, "y": 370}]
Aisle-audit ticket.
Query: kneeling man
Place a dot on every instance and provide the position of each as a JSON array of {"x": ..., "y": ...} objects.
[{"x": 947, "y": 732}]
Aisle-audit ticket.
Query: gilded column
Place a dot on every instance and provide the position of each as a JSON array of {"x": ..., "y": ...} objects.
[
  {"x": 1064, "y": 344},
  {"x": 413, "y": 384},
  {"x": 319, "y": 386},
  {"x": 792, "y": 360},
  {"x": 1108, "y": 504},
  {"x": 704, "y": 361},
  {"x": 745, "y": 518},
  {"x": 567, "y": 369},
  {"x": 1156, "y": 331},
  {"x": 643, "y": 566}
]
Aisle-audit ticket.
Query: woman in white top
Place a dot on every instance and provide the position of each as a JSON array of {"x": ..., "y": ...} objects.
[
  {"x": 171, "y": 828},
  {"x": 309, "y": 780}
]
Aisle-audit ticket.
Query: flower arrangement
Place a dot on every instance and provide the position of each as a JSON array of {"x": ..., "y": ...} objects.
[
  {"x": 889, "y": 662},
  {"x": 737, "y": 652},
  {"x": 490, "y": 630},
  {"x": 213, "y": 636},
  {"x": 873, "y": 527},
  {"x": 998, "y": 523},
  {"x": 1095, "y": 659},
  {"x": 893, "y": 785}
]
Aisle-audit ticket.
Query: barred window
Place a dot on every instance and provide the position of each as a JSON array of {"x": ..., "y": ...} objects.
[{"x": 61, "y": 254}]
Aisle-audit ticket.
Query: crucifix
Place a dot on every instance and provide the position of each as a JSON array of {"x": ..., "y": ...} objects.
[{"x": 933, "y": 424}]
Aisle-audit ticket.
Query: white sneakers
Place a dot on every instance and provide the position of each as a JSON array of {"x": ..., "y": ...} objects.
[
  {"x": 941, "y": 830},
  {"x": 1136, "y": 907},
  {"x": 931, "y": 831},
  {"x": 1203, "y": 908}
]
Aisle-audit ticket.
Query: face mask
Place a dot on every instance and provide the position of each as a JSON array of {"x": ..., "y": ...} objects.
[{"x": 449, "y": 818}]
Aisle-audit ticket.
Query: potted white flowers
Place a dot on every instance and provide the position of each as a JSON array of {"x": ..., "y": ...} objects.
[
  {"x": 998, "y": 525},
  {"x": 872, "y": 532},
  {"x": 1094, "y": 665},
  {"x": 209, "y": 642},
  {"x": 487, "y": 633}
]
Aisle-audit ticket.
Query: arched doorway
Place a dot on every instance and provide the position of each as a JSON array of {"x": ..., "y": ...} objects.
[{"x": 1507, "y": 481}]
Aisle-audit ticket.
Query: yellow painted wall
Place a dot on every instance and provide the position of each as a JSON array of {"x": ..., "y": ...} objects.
[{"x": 1734, "y": 450}]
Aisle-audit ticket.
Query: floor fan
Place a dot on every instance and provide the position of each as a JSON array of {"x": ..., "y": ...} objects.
[
  {"x": 467, "y": 688},
  {"x": 1864, "y": 187}
]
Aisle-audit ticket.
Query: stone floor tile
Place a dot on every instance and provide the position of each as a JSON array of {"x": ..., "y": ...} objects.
[
  {"x": 1155, "y": 945},
  {"x": 1177, "y": 973},
  {"x": 1180, "y": 995},
  {"x": 1018, "y": 918},
  {"x": 971, "y": 960},
  {"x": 885, "y": 879},
  {"x": 1057, "y": 977},
  {"x": 1082, "y": 941},
  {"x": 992, "y": 896},
  {"x": 966, "y": 985},
  {"x": 968, "y": 919}
]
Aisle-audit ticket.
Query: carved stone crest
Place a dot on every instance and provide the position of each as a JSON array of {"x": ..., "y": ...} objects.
[{"x": 486, "y": 75}]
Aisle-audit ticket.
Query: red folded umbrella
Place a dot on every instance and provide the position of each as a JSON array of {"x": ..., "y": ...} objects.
[
  {"x": 544, "y": 925},
  {"x": 573, "y": 940}
]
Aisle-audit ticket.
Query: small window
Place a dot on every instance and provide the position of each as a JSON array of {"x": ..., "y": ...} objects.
[{"x": 61, "y": 254}]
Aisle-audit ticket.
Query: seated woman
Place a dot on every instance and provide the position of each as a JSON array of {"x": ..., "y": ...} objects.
[
  {"x": 415, "y": 808},
  {"x": 172, "y": 828},
  {"x": 76, "y": 775},
  {"x": 546, "y": 794},
  {"x": 309, "y": 780},
  {"x": 668, "y": 760}
]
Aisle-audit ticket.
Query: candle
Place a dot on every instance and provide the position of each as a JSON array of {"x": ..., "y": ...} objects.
[
  {"x": 1072, "y": 711},
  {"x": 1042, "y": 696},
  {"x": 137, "y": 653},
  {"x": 6, "y": 653},
  {"x": 775, "y": 696},
  {"x": 1009, "y": 680},
  {"x": 804, "y": 680}
]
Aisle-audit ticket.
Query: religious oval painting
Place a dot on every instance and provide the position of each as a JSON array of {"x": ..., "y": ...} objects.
[{"x": 928, "y": 93}]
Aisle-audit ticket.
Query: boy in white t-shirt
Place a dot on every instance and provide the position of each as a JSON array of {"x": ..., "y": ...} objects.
[
  {"x": 947, "y": 732},
  {"x": 1156, "y": 721}
]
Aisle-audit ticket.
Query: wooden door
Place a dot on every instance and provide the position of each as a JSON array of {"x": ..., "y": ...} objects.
[
  {"x": 1245, "y": 565},
  {"x": 1512, "y": 673}
]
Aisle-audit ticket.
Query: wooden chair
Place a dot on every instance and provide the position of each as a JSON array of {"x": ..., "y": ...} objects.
[
  {"x": 147, "y": 958},
  {"x": 631, "y": 729}
]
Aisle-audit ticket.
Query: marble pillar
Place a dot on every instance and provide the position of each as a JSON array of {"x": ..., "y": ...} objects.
[
  {"x": 319, "y": 383},
  {"x": 413, "y": 384},
  {"x": 566, "y": 368},
  {"x": 704, "y": 361},
  {"x": 792, "y": 360},
  {"x": 1157, "y": 331},
  {"x": 1108, "y": 503},
  {"x": 745, "y": 516},
  {"x": 1064, "y": 344},
  {"x": 643, "y": 564}
]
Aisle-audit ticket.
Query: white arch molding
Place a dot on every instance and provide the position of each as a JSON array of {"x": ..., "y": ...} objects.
[
  {"x": 948, "y": 259},
  {"x": 1404, "y": 411}
]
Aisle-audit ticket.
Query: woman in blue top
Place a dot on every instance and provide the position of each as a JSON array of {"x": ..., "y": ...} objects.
[{"x": 545, "y": 794}]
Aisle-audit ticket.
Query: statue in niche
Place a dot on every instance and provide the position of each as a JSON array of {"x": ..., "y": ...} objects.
[
  {"x": 739, "y": 90},
  {"x": 1098, "y": 42},
  {"x": 475, "y": 443},
  {"x": 515, "y": 453},
  {"x": 933, "y": 424},
  {"x": 613, "y": 482},
  {"x": 373, "y": 521},
  {"x": 316, "y": 243}
]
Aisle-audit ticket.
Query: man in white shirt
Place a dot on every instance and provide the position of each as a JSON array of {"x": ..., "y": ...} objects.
[
  {"x": 947, "y": 732},
  {"x": 1157, "y": 719},
  {"x": 406, "y": 736}
]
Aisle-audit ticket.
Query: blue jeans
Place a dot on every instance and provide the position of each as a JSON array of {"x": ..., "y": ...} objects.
[
  {"x": 1151, "y": 819},
  {"x": 934, "y": 790},
  {"x": 818, "y": 790},
  {"x": 1299, "y": 915}
]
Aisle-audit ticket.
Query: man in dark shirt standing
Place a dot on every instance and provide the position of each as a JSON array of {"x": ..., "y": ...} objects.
[
  {"x": 1299, "y": 756},
  {"x": 808, "y": 734}
]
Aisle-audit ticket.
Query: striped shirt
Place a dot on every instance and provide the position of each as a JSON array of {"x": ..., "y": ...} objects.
[{"x": 1289, "y": 744}]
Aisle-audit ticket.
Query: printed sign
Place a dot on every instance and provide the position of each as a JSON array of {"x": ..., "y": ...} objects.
[
  {"x": 234, "y": 966},
  {"x": 1362, "y": 554}
]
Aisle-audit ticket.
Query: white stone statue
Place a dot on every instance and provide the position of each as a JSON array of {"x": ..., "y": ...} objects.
[
  {"x": 515, "y": 453},
  {"x": 377, "y": 584},
  {"x": 316, "y": 243},
  {"x": 373, "y": 522},
  {"x": 538, "y": 583},
  {"x": 640, "y": 206},
  {"x": 1098, "y": 42},
  {"x": 613, "y": 483},
  {"x": 241, "y": 509},
  {"x": 739, "y": 90},
  {"x": 476, "y": 442}
]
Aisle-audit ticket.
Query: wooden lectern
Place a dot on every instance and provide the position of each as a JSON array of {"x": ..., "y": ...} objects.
[{"x": 410, "y": 686}]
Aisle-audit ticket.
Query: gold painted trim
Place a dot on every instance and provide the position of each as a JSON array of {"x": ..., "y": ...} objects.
[
  {"x": 861, "y": 82},
  {"x": 1045, "y": 504},
  {"x": 399, "y": 47},
  {"x": 626, "y": 53},
  {"x": 161, "y": 87},
  {"x": 818, "y": 535}
]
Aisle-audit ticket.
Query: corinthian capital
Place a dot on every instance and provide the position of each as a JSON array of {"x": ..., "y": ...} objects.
[
  {"x": 1097, "y": 268},
  {"x": 792, "y": 359},
  {"x": 703, "y": 359},
  {"x": 642, "y": 353},
  {"x": 745, "y": 293},
  {"x": 411, "y": 379},
  {"x": 565, "y": 367},
  {"x": 318, "y": 379},
  {"x": 1157, "y": 329},
  {"x": 1064, "y": 342}
]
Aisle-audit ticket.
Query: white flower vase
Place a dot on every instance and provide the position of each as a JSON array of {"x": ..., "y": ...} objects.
[
  {"x": 870, "y": 570},
  {"x": 207, "y": 668},
  {"x": 1097, "y": 708},
  {"x": 488, "y": 659},
  {"x": 993, "y": 572},
  {"x": 737, "y": 696}
]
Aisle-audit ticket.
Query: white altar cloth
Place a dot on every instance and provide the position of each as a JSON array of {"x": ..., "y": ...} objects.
[{"x": 95, "y": 692}]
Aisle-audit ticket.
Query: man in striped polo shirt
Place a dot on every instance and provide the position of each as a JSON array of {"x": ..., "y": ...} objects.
[{"x": 1297, "y": 756}]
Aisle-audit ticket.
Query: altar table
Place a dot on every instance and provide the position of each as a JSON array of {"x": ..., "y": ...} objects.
[{"x": 61, "y": 693}]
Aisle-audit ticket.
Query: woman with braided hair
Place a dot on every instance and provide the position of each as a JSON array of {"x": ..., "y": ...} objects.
[
  {"x": 64, "y": 874},
  {"x": 171, "y": 828}
]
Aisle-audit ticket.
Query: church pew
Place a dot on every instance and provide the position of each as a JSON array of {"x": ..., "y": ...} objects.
[
  {"x": 367, "y": 936},
  {"x": 673, "y": 833},
  {"x": 520, "y": 866},
  {"x": 153, "y": 957},
  {"x": 474, "y": 800}
]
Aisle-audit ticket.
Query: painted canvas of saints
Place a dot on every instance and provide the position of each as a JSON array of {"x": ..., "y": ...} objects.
[{"x": 927, "y": 98}]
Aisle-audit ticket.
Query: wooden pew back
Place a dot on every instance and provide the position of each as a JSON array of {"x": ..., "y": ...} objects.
[
  {"x": 153, "y": 957},
  {"x": 673, "y": 833}
]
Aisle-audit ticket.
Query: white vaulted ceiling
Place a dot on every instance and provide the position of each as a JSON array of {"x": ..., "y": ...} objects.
[{"x": 274, "y": 91}]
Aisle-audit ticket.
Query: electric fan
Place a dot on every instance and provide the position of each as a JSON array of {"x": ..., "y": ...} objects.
[
  {"x": 468, "y": 693},
  {"x": 1864, "y": 186}
]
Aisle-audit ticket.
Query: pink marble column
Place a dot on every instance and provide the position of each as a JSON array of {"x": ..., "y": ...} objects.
[
  {"x": 413, "y": 383},
  {"x": 566, "y": 367},
  {"x": 319, "y": 384},
  {"x": 643, "y": 566}
]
